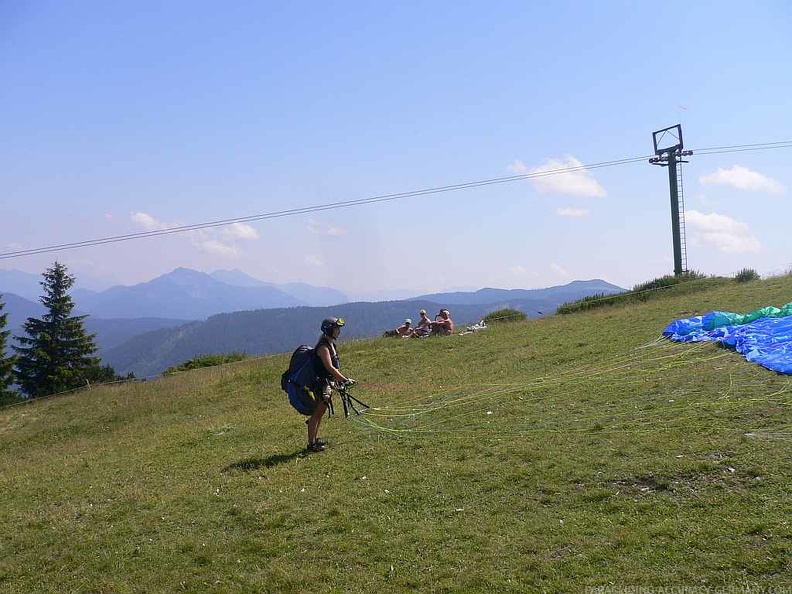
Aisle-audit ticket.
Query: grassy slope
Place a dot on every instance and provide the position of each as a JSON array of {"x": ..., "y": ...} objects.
[{"x": 546, "y": 455}]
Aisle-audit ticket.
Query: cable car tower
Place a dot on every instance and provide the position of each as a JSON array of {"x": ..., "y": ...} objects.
[{"x": 668, "y": 150}]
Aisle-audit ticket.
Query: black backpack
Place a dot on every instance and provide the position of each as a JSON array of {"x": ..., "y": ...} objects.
[{"x": 300, "y": 381}]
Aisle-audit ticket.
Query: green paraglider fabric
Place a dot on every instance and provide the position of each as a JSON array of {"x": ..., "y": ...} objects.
[{"x": 764, "y": 335}]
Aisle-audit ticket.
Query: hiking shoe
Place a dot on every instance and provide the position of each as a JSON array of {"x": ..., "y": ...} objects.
[
  {"x": 315, "y": 447},
  {"x": 321, "y": 442}
]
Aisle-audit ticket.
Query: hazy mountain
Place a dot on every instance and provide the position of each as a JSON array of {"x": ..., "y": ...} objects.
[
  {"x": 28, "y": 285},
  {"x": 114, "y": 332},
  {"x": 19, "y": 310},
  {"x": 237, "y": 278},
  {"x": 568, "y": 292},
  {"x": 315, "y": 296},
  {"x": 388, "y": 295},
  {"x": 182, "y": 294},
  {"x": 109, "y": 333},
  {"x": 303, "y": 292},
  {"x": 21, "y": 283}
]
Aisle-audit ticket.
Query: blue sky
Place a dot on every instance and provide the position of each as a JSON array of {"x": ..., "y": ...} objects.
[{"x": 122, "y": 117}]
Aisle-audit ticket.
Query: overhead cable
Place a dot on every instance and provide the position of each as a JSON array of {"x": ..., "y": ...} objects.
[
  {"x": 310, "y": 209},
  {"x": 375, "y": 199}
]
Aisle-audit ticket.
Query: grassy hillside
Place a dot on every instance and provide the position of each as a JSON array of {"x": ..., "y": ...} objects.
[
  {"x": 262, "y": 331},
  {"x": 554, "y": 454},
  {"x": 277, "y": 330}
]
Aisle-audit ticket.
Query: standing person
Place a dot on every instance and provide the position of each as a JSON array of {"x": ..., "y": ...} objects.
[
  {"x": 326, "y": 365},
  {"x": 445, "y": 325}
]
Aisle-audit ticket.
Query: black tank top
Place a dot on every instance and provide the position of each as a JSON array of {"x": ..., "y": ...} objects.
[{"x": 319, "y": 367}]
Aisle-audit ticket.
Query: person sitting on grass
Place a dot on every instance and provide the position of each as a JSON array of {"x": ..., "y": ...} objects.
[
  {"x": 424, "y": 327},
  {"x": 444, "y": 326},
  {"x": 406, "y": 329}
]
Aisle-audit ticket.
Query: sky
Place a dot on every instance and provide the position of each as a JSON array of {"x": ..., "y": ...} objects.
[{"x": 119, "y": 118}]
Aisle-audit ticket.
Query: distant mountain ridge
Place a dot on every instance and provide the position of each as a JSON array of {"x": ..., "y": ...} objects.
[
  {"x": 308, "y": 294},
  {"x": 187, "y": 294},
  {"x": 569, "y": 291},
  {"x": 269, "y": 331},
  {"x": 150, "y": 326},
  {"x": 20, "y": 283},
  {"x": 183, "y": 293},
  {"x": 109, "y": 333},
  {"x": 20, "y": 309}
]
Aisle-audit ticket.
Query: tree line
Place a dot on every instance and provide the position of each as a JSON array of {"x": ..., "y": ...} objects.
[{"x": 55, "y": 353}]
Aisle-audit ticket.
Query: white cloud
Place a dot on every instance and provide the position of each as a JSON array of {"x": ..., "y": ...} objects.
[
  {"x": 14, "y": 246},
  {"x": 240, "y": 231},
  {"x": 558, "y": 176},
  {"x": 518, "y": 270},
  {"x": 313, "y": 260},
  {"x": 324, "y": 229},
  {"x": 148, "y": 222},
  {"x": 742, "y": 178},
  {"x": 205, "y": 241},
  {"x": 722, "y": 232},
  {"x": 218, "y": 248},
  {"x": 571, "y": 212}
]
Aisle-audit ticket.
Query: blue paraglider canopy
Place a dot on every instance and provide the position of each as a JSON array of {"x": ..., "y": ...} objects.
[{"x": 763, "y": 336}]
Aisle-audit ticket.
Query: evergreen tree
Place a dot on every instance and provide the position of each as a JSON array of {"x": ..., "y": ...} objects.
[
  {"x": 6, "y": 363},
  {"x": 56, "y": 354}
]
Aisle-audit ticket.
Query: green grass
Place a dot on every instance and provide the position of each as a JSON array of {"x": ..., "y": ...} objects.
[
  {"x": 746, "y": 275},
  {"x": 549, "y": 455},
  {"x": 659, "y": 288},
  {"x": 206, "y": 361},
  {"x": 504, "y": 315}
]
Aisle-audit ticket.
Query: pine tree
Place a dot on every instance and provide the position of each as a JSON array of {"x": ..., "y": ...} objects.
[
  {"x": 56, "y": 354},
  {"x": 6, "y": 363}
]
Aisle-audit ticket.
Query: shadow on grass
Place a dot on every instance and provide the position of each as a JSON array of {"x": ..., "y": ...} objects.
[{"x": 249, "y": 464}]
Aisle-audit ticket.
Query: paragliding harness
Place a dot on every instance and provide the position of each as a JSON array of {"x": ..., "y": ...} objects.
[
  {"x": 304, "y": 388},
  {"x": 299, "y": 381},
  {"x": 347, "y": 399}
]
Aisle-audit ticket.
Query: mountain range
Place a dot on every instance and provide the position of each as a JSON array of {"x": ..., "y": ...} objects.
[
  {"x": 148, "y": 327},
  {"x": 181, "y": 294}
]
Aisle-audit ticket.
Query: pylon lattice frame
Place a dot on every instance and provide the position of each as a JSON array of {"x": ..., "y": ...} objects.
[{"x": 668, "y": 145}]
